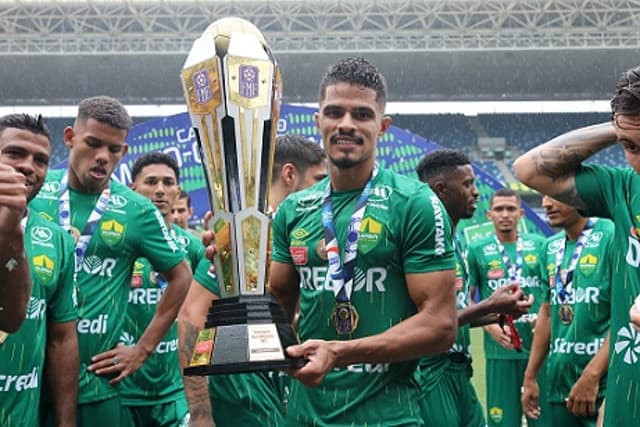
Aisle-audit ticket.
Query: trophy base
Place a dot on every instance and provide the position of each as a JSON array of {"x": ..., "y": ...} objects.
[{"x": 244, "y": 334}]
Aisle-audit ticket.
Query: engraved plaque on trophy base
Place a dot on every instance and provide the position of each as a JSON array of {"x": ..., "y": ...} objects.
[{"x": 243, "y": 334}]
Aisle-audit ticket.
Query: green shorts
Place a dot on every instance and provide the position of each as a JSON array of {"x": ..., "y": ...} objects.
[
  {"x": 559, "y": 415},
  {"x": 169, "y": 414},
  {"x": 452, "y": 401},
  {"x": 105, "y": 413},
  {"x": 241, "y": 400},
  {"x": 504, "y": 385}
]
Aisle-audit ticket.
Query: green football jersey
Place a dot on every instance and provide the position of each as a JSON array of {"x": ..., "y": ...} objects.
[
  {"x": 433, "y": 367},
  {"x": 613, "y": 193},
  {"x": 130, "y": 228},
  {"x": 53, "y": 299},
  {"x": 404, "y": 229},
  {"x": 579, "y": 323},
  {"x": 159, "y": 379},
  {"x": 488, "y": 272}
]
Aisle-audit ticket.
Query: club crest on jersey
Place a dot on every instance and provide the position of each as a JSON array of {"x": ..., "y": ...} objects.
[
  {"x": 531, "y": 260},
  {"x": 496, "y": 414},
  {"x": 43, "y": 267},
  {"x": 496, "y": 273},
  {"x": 588, "y": 264},
  {"x": 370, "y": 232},
  {"x": 111, "y": 232},
  {"x": 299, "y": 254}
]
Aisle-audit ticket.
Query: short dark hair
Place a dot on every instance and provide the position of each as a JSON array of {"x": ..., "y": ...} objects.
[
  {"x": 34, "y": 124},
  {"x": 504, "y": 192},
  {"x": 183, "y": 194},
  {"x": 299, "y": 151},
  {"x": 154, "y": 158},
  {"x": 436, "y": 164},
  {"x": 105, "y": 109},
  {"x": 358, "y": 72}
]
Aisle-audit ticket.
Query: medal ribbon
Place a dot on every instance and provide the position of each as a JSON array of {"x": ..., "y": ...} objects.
[
  {"x": 64, "y": 214},
  {"x": 561, "y": 284},
  {"x": 515, "y": 273},
  {"x": 341, "y": 274}
]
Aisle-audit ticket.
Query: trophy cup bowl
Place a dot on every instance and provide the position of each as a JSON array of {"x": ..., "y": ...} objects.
[{"x": 233, "y": 90}]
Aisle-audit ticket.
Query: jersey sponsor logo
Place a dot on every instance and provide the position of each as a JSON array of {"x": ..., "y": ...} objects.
[
  {"x": 36, "y": 308},
  {"x": 300, "y": 234},
  {"x": 527, "y": 318},
  {"x": 594, "y": 239},
  {"x": 438, "y": 225},
  {"x": 51, "y": 188},
  {"x": 490, "y": 249},
  {"x": 380, "y": 193},
  {"x": 44, "y": 267},
  {"x": 578, "y": 348},
  {"x": 461, "y": 300},
  {"x": 309, "y": 202},
  {"x": 588, "y": 264},
  {"x": 111, "y": 232},
  {"x": 528, "y": 245},
  {"x": 370, "y": 231},
  {"x": 127, "y": 339},
  {"x": 118, "y": 201},
  {"x": 588, "y": 295},
  {"x": 96, "y": 326},
  {"x": 136, "y": 280},
  {"x": 41, "y": 234},
  {"x": 165, "y": 347},
  {"x": 316, "y": 278},
  {"x": 633, "y": 252},
  {"x": 299, "y": 254},
  {"x": 166, "y": 233},
  {"x": 145, "y": 296},
  {"x": 46, "y": 215},
  {"x": 495, "y": 273},
  {"x": 496, "y": 413},
  {"x": 94, "y": 265},
  {"x": 554, "y": 246},
  {"x": 368, "y": 368},
  {"x": 20, "y": 383},
  {"x": 627, "y": 344},
  {"x": 525, "y": 282}
]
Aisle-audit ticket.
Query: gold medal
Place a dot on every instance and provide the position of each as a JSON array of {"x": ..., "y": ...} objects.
[
  {"x": 75, "y": 233},
  {"x": 3, "y": 336},
  {"x": 345, "y": 318},
  {"x": 566, "y": 314}
]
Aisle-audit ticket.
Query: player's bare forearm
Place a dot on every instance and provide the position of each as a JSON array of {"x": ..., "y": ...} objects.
[
  {"x": 195, "y": 387},
  {"x": 179, "y": 278},
  {"x": 540, "y": 344},
  {"x": 597, "y": 366},
  {"x": 62, "y": 366},
  {"x": 550, "y": 167},
  {"x": 284, "y": 286},
  {"x": 15, "y": 281}
]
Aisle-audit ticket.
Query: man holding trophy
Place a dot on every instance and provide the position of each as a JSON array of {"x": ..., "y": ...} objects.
[{"x": 367, "y": 256}]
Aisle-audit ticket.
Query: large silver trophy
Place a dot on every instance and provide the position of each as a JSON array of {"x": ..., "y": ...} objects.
[{"x": 233, "y": 90}]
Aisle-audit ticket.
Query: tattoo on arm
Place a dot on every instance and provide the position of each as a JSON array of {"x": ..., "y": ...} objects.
[
  {"x": 559, "y": 162},
  {"x": 195, "y": 387}
]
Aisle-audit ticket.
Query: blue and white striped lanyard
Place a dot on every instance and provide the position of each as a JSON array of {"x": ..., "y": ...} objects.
[
  {"x": 515, "y": 270},
  {"x": 341, "y": 274},
  {"x": 562, "y": 282},
  {"x": 64, "y": 214}
]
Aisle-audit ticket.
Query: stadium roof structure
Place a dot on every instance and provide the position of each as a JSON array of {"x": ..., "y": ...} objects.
[{"x": 429, "y": 50}]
